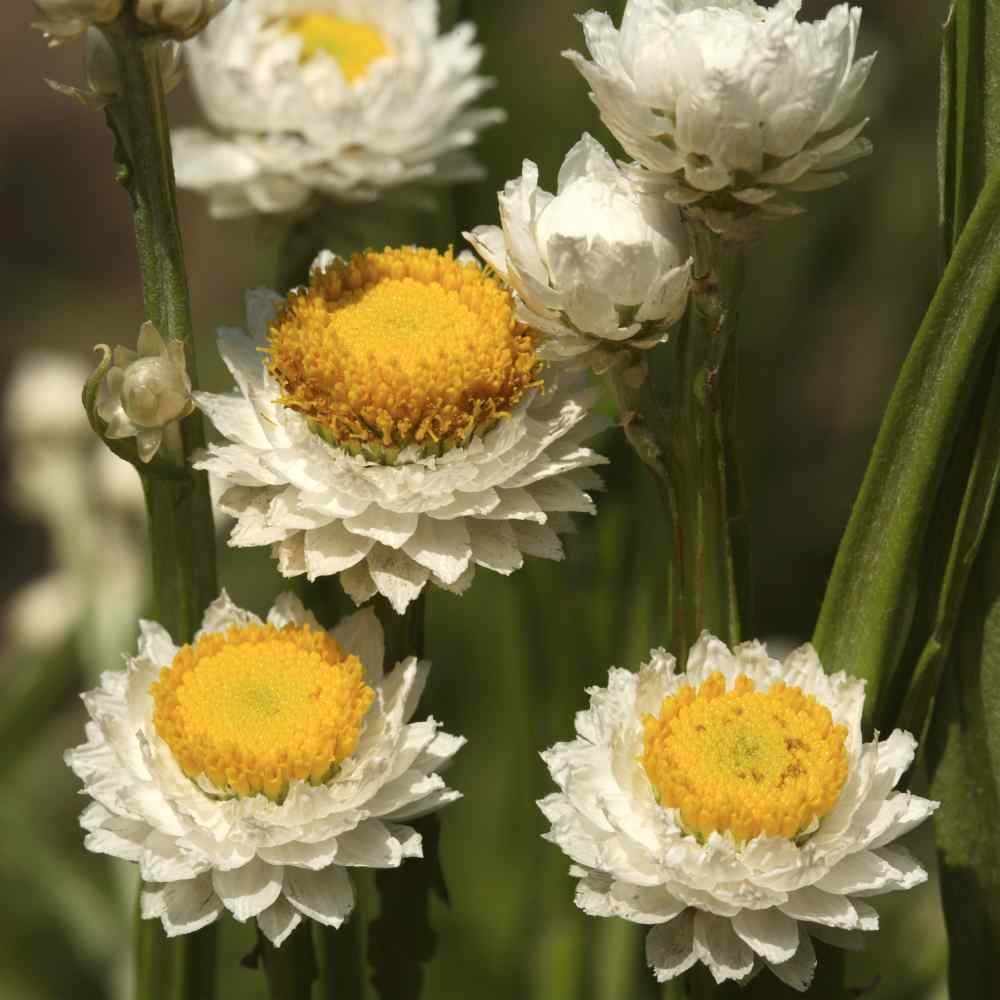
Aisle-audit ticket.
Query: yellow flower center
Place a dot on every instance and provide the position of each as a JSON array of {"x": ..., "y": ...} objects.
[
  {"x": 353, "y": 44},
  {"x": 257, "y": 707},
  {"x": 744, "y": 761},
  {"x": 402, "y": 347}
]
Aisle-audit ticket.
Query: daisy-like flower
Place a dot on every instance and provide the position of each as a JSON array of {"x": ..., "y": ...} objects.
[
  {"x": 733, "y": 808},
  {"x": 343, "y": 98},
  {"x": 727, "y": 103},
  {"x": 248, "y": 771},
  {"x": 400, "y": 429},
  {"x": 598, "y": 265}
]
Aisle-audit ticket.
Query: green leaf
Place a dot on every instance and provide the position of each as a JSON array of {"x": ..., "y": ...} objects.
[
  {"x": 964, "y": 753},
  {"x": 869, "y": 602}
]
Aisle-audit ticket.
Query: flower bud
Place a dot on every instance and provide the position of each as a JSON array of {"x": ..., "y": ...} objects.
[
  {"x": 179, "y": 18},
  {"x": 145, "y": 391},
  {"x": 597, "y": 265},
  {"x": 68, "y": 19}
]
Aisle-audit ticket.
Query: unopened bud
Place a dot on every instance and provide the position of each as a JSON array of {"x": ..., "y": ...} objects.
[
  {"x": 145, "y": 391},
  {"x": 179, "y": 18},
  {"x": 68, "y": 19}
]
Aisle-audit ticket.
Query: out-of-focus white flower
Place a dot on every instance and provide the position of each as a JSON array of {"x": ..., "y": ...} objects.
[
  {"x": 251, "y": 770},
  {"x": 64, "y": 20},
  {"x": 726, "y": 103},
  {"x": 402, "y": 428},
  {"x": 599, "y": 264},
  {"x": 43, "y": 612},
  {"x": 344, "y": 98},
  {"x": 734, "y": 809},
  {"x": 145, "y": 391},
  {"x": 181, "y": 19},
  {"x": 43, "y": 397}
]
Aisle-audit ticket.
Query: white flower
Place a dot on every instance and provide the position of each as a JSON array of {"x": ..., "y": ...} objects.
[
  {"x": 290, "y": 759},
  {"x": 596, "y": 265},
  {"x": 145, "y": 391},
  {"x": 43, "y": 398},
  {"x": 68, "y": 19},
  {"x": 343, "y": 98},
  {"x": 728, "y": 100},
  {"x": 179, "y": 18},
  {"x": 734, "y": 809},
  {"x": 403, "y": 432}
]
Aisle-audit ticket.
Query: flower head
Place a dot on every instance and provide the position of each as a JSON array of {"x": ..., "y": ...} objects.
[
  {"x": 733, "y": 808},
  {"x": 596, "y": 265},
  {"x": 725, "y": 103},
  {"x": 250, "y": 770},
  {"x": 394, "y": 425},
  {"x": 342, "y": 98},
  {"x": 145, "y": 391}
]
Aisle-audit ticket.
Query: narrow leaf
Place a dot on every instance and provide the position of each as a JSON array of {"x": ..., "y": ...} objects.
[{"x": 869, "y": 602}]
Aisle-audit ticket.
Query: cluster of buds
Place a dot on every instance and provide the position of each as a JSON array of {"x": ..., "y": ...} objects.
[{"x": 176, "y": 19}]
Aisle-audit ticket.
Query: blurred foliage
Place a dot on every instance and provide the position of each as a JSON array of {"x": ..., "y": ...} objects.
[{"x": 833, "y": 300}]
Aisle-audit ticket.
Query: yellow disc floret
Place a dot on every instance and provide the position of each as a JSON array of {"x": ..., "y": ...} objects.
[
  {"x": 745, "y": 761},
  {"x": 257, "y": 707},
  {"x": 402, "y": 347},
  {"x": 353, "y": 44}
]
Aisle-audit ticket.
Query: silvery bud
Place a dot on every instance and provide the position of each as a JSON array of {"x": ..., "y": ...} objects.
[
  {"x": 595, "y": 266},
  {"x": 68, "y": 19},
  {"x": 145, "y": 391},
  {"x": 180, "y": 19}
]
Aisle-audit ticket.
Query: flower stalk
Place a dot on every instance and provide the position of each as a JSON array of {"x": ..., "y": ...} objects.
[
  {"x": 687, "y": 444},
  {"x": 181, "y": 532}
]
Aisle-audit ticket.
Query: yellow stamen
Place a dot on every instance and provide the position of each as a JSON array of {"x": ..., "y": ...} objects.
[
  {"x": 745, "y": 761},
  {"x": 400, "y": 347},
  {"x": 353, "y": 44},
  {"x": 258, "y": 707}
]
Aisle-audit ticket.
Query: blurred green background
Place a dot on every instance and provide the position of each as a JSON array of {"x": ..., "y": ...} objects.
[{"x": 833, "y": 298}]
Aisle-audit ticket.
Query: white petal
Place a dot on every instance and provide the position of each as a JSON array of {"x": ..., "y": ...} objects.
[
  {"x": 233, "y": 417},
  {"x": 289, "y": 610},
  {"x": 278, "y": 921},
  {"x": 299, "y": 855},
  {"x": 494, "y": 546},
  {"x": 538, "y": 540},
  {"x": 718, "y": 947},
  {"x": 183, "y": 907},
  {"x": 398, "y": 578},
  {"x": 383, "y": 526},
  {"x": 818, "y": 907},
  {"x": 155, "y": 643},
  {"x": 441, "y": 546},
  {"x": 361, "y": 634},
  {"x": 161, "y": 860},
  {"x": 222, "y": 613},
  {"x": 369, "y": 845},
  {"x": 670, "y": 947},
  {"x": 332, "y": 549},
  {"x": 248, "y": 890},
  {"x": 326, "y": 896},
  {"x": 798, "y": 972},
  {"x": 358, "y": 583},
  {"x": 771, "y": 934}
]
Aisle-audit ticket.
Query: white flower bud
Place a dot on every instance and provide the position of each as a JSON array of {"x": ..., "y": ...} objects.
[
  {"x": 727, "y": 103},
  {"x": 179, "y": 18},
  {"x": 145, "y": 391},
  {"x": 68, "y": 19},
  {"x": 596, "y": 265}
]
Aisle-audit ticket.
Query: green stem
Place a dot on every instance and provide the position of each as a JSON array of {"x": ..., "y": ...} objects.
[
  {"x": 290, "y": 969},
  {"x": 688, "y": 449},
  {"x": 182, "y": 539},
  {"x": 341, "y": 953}
]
